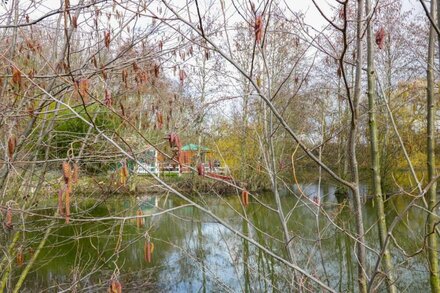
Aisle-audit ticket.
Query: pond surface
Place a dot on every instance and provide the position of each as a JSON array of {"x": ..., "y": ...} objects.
[{"x": 193, "y": 253}]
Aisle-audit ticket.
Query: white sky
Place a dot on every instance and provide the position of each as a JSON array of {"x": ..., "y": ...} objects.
[{"x": 312, "y": 15}]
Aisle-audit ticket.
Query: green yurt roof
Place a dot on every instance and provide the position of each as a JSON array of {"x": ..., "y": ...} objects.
[{"x": 194, "y": 147}]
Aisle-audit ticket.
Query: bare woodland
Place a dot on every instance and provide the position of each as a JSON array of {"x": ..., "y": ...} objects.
[{"x": 349, "y": 105}]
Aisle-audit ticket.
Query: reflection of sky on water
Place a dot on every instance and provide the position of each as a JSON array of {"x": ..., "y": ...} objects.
[
  {"x": 195, "y": 254},
  {"x": 203, "y": 262},
  {"x": 326, "y": 191}
]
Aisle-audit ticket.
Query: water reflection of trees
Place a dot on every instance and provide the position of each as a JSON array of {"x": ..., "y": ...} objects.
[{"x": 195, "y": 253}]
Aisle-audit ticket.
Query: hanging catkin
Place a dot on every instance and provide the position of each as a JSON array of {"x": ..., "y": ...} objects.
[
  {"x": 12, "y": 142},
  {"x": 67, "y": 200},
  {"x": 139, "y": 220},
  {"x": 245, "y": 197},
  {"x": 68, "y": 188},
  {"x": 8, "y": 220},
  {"x": 20, "y": 257},
  {"x": 115, "y": 286},
  {"x": 148, "y": 251},
  {"x": 66, "y": 172}
]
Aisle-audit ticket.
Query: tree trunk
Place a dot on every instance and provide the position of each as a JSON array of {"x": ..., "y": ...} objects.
[
  {"x": 353, "y": 164},
  {"x": 430, "y": 141},
  {"x": 375, "y": 158}
]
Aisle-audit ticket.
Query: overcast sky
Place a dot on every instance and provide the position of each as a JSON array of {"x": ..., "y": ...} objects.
[{"x": 312, "y": 15}]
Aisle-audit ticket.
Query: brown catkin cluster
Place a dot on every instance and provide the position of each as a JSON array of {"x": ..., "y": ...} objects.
[
  {"x": 245, "y": 197},
  {"x": 139, "y": 221},
  {"x": 115, "y": 286},
  {"x": 70, "y": 178},
  {"x": 12, "y": 142},
  {"x": 8, "y": 220},
  {"x": 148, "y": 251},
  {"x": 123, "y": 174},
  {"x": 66, "y": 172},
  {"x": 20, "y": 257}
]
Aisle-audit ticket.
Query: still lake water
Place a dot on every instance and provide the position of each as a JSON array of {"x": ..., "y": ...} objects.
[{"x": 193, "y": 253}]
